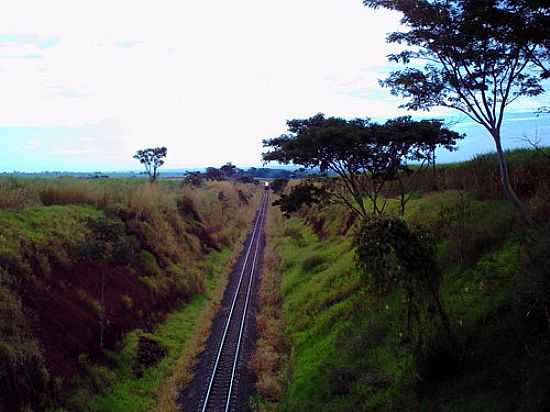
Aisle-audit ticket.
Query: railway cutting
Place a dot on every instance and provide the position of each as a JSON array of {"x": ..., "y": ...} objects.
[{"x": 222, "y": 381}]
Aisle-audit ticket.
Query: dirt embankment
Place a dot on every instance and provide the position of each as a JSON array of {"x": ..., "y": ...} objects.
[{"x": 82, "y": 276}]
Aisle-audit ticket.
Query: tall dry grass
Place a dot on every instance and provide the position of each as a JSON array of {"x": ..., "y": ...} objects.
[
  {"x": 267, "y": 360},
  {"x": 14, "y": 194},
  {"x": 182, "y": 374}
]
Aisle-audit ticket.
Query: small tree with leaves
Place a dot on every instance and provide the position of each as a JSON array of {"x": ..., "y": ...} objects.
[
  {"x": 229, "y": 170},
  {"x": 410, "y": 147},
  {"x": 278, "y": 185},
  {"x": 393, "y": 254},
  {"x": 477, "y": 57},
  {"x": 152, "y": 159},
  {"x": 106, "y": 244},
  {"x": 364, "y": 156}
]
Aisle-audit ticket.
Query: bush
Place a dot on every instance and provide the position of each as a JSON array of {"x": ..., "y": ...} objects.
[
  {"x": 294, "y": 234},
  {"x": 392, "y": 254},
  {"x": 16, "y": 195},
  {"x": 23, "y": 376},
  {"x": 108, "y": 242},
  {"x": 312, "y": 262}
]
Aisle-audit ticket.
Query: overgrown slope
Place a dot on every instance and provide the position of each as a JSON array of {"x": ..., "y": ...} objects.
[
  {"x": 82, "y": 263},
  {"x": 347, "y": 351}
]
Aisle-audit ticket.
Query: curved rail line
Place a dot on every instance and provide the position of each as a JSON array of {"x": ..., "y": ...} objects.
[{"x": 222, "y": 378}]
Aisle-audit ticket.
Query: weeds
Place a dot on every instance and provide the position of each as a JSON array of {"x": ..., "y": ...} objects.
[
  {"x": 112, "y": 256},
  {"x": 267, "y": 360}
]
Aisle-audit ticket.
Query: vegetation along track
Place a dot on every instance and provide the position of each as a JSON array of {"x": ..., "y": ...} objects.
[{"x": 221, "y": 382}]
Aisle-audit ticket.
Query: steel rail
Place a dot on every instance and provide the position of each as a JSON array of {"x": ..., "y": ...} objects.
[
  {"x": 255, "y": 236},
  {"x": 250, "y": 283}
]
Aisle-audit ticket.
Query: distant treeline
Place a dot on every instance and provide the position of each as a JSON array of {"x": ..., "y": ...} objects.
[
  {"x": 231, "y": 172},
  {"x": 211, "y": 173}
]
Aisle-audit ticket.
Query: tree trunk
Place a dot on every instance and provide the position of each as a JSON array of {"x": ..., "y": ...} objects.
[{"x": 505, "y": 180}]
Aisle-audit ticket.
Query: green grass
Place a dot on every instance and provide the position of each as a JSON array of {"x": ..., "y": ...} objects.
[
  {"x": 129, "y": 393},
  {"x": 344, "y": 343},
  {"x": 515, "y": 156},
  {"x": 41, "y": 224},
  {"x": 316, "y": 303}
]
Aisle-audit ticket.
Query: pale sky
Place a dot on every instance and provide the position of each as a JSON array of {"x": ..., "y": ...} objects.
[{"x": 84, "y": 84}]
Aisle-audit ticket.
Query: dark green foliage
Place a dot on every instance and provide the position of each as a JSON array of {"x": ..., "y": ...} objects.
[
  {"x": 152, "y": 159},
  {"x": 278, "y": 185},
  {"x": 393, "y": 254},
  {"x": 24, "y": 380},
  {"x": 214, "y": 174},
  {"x": 248, "y": 179},
  {"x": 304, "y": 194},
  {"x": 149, "y": 352},
  {"x": 364, "y": 155},
  {"x": 535, "y": 293},
  {"x": 194, "y": 179},
  {"x": 386, "y": 246},
  {"x": 108, "y": 242},
  {"x": 294, "y": 234},
  {"x": 228, "y": 170},
  {"x": 313, "y": 262},
  {"x": 478, "y": 57},
  {"x": 349, "y": 351}
]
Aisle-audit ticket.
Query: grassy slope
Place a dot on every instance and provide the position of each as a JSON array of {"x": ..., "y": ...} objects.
[
  {"x": 345, "y": 351},
  {"x": 43, "y": 229},
  {"x": 130, "y": 393}
]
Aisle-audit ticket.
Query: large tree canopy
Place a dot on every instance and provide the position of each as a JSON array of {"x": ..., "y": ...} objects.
[
  {"x": 362, "y": 154},
  {"x": 475, "y": 56}
]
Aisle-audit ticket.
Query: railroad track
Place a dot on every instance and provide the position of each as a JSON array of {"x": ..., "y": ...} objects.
[{"x": 222, "y": 387}]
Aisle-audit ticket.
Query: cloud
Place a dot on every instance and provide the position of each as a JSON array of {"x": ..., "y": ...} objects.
[{"x": 208, "y": 80}]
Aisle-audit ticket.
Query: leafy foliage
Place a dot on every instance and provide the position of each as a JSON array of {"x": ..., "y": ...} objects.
[
  {"x": 278, "y": 185},
  {"x": 24, "y": 378},
  {"x": 364, "y": 155},
  {"x": 479, "y": 57},
  {"x": 392, "y": 254},
  {"x": 108, "y": 242},
  {"x": 300, "y": 195},
  {"x": 152, "y": 159}
]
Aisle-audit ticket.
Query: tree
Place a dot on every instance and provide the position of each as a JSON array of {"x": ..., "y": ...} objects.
[
  {"x": 303, "y": 194},
  {"x": 229, "y": 170},
  {"x": 478, "y": 58},
  {"x": 411, "y": 146},
  {"x": 391, "y": 253},
  {"x": 152, "y": 159},
  {"x": 363, "y": 155},
  {"x": 193, "y": 178},
  {"x": 278, "y": 185},
  {"x": 107, "y": 243},
  {"x": 214, "y": 174},
  {"x": 331, "y": 145}
]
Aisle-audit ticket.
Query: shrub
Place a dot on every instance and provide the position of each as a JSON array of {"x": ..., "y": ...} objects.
[
  {"x": 23, "y": 376},
  {"x": 304, "y": 194},
  {"x": 16, "y": 195},
  {"x": 391, "y": 254},
  {"x": 294, "y": 234},
  {"x": 147, "y": 263},
  {"x": 312, "y": 262}
]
